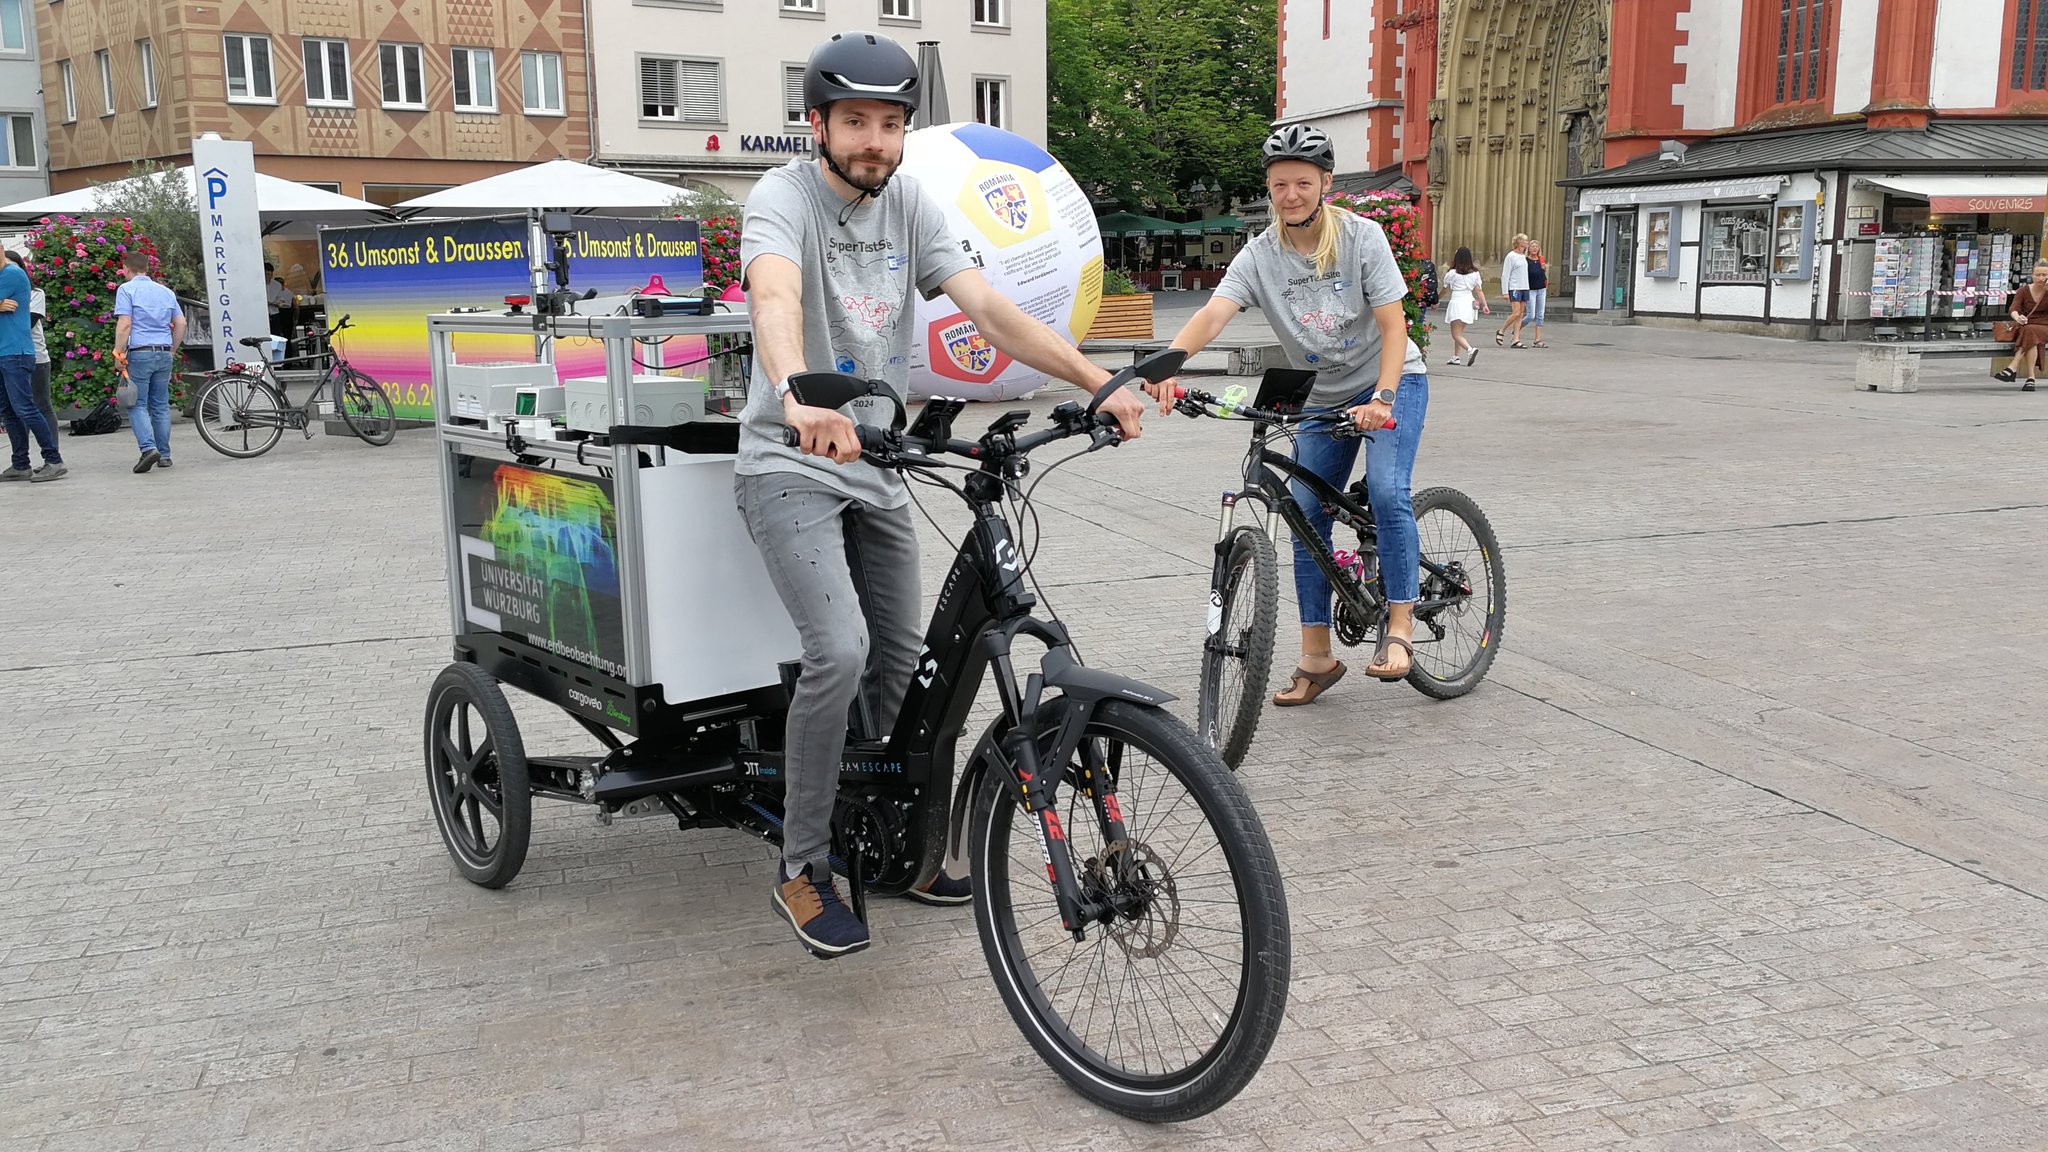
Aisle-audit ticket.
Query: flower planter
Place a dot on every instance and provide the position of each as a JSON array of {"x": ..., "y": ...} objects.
[{"x": 1123, "y": 318}]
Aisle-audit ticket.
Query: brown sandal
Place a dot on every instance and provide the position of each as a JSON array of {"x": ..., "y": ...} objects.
[
  {"x": 1379, "y": 657},
  {"x": 1318, "y": 683}
]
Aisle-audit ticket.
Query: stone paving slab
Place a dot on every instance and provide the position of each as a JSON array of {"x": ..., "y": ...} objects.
[{"x": 1739, "y": 847}]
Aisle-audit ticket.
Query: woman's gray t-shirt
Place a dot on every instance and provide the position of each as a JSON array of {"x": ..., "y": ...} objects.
[
  {"x": 859, "y": 314},
  {"x": 1325, "y": 322}
]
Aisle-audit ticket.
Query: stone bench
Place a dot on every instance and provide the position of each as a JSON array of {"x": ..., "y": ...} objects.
[{"x": 1894, "y": 365}]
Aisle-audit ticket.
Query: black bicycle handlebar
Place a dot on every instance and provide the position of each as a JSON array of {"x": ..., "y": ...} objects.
[
  {"x": 1193, "y": 402},
  {"x": 887, "y": 447}
]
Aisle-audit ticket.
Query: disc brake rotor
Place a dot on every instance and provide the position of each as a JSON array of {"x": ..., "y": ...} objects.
[{"x": 1137, "y": 884}]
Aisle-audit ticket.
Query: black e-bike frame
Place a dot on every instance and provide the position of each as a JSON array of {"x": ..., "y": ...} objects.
[{"x": 1266, "y": 475}]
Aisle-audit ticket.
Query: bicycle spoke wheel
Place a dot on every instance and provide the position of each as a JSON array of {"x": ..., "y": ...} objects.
[
  {"x": 1168, "y": 1006},
  {"x": 367, "y": 410},
  {"x": 1464, "y": 606},
  {"x": 476, "y": 775},
  {"x": 1237, "y": 656},
  {"x": 238, "y": 415}
]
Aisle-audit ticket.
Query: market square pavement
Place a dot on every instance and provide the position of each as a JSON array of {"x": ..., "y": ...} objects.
[{"x": 1743, "y": 846}]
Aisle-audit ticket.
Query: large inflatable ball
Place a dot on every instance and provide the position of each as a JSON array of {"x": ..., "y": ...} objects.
[{"x": 1029, "y": 227}]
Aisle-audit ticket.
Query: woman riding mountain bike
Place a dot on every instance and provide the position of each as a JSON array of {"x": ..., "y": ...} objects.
[{"x": 1327, "y": 281}]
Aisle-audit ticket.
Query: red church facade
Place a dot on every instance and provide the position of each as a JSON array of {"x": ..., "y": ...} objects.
[{"x": 1796, "y": 166}]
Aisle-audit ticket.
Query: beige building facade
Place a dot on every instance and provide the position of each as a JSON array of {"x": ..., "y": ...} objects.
[
  {"x": 708, "y": 92},
  {"x": 383, "y": 101}
]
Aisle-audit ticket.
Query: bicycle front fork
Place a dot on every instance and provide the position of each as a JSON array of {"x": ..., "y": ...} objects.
[{"x": 1219, "y": 575}]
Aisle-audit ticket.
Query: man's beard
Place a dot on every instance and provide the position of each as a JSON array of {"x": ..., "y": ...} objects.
[{"x": 845, "y": 165}]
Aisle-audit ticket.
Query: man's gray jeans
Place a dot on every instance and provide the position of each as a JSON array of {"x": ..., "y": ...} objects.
[{"x": 860, "y": 632}]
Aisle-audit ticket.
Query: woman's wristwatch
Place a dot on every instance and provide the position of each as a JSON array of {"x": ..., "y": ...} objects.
[{"x": 1384, "y": 396}]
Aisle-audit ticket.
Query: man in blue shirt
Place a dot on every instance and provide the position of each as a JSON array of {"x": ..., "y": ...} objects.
[
  {"x": 148, "y": 327},
  {"x": 18, "y": 372}
]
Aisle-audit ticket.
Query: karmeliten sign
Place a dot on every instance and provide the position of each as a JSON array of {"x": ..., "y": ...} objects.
[{"x": 231, "y": 235}]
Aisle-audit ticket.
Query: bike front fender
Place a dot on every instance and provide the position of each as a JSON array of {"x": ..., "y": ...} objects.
[{"x": 1082, "y": 690}]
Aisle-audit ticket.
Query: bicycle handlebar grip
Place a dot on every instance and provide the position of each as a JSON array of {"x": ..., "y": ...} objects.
[{"x": 790, "y": 437}]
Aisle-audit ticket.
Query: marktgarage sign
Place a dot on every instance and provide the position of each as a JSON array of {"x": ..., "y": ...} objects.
[{"x": 1969, "y": 205}]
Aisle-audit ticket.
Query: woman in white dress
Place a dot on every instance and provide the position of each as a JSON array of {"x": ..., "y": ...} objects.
[{"x": 1468, "y": 299}]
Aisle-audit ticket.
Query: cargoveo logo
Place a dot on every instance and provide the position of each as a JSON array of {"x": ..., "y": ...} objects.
[{"x": 586, "y": 700}]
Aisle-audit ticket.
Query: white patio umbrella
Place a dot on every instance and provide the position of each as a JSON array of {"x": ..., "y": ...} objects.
[
  {"x": 278, "y": 201},
  {"x": 563, "y": 185}
]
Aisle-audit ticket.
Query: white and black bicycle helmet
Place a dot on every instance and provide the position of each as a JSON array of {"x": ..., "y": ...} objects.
[
  {"x": 860, "y": 66},
  {"x": 1301, "y": 142}
]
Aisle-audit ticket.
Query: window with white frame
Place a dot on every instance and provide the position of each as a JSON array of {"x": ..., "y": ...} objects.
[
  {"x": 793, "y": 111},
  {"x": 991, "y": 12},
  {"x": 686, "y": 91},
  {"x": 70, "y": 91},
  {"x": 476, "y": 87},
  {"x": 21, "y": 141},
  {"x": 540, "y": 83},
  {"x": 402, "y": 75},
  {"x": 105, "y": 59},
  {"x": 327, "y": 79},
  {"x": 14, "y": 26},
  {"x": 249, "y": 72},
  {"x": 146, "y": 53},
  {"x": 900, "y": 9},
  {"x": 992, "y": 101},
  {"x": 800, "y": 5}
]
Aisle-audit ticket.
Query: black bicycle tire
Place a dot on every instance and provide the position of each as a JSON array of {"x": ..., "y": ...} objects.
[
  {"x": 1467, "y": 510},
  {"x": 378, "y": 439},
  {"x": 215, "y": 381},
  {"x": 515, "y": 825},
  {"x": 1240, "y": 1051},
  {"x": 1245, "y": 544}
]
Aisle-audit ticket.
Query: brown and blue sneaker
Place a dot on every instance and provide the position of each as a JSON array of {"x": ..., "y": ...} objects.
[{"x": 824, "y": 924}]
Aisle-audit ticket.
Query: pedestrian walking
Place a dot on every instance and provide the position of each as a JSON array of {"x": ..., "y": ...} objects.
[
  {"x": 1468, "y": 299},
  {"x": 148, "y": 326},
  {"x": 1539, "y": 293},
  {"x": 1514, "y": 280},
  {"x": 18, "y": 410}
]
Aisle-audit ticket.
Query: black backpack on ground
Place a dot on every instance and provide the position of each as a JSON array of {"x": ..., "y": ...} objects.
[{"x": 104, "y": 418}]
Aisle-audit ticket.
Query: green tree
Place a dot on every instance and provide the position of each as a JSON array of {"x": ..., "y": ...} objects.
[
  {"x": 1147, "y": 96},
  {"x": 158, "y": 199}
]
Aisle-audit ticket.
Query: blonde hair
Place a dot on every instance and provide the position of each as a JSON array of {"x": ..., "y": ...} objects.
[
  {"x": 1520, "y": 238},
  {"x": 1329, "y": 233}
]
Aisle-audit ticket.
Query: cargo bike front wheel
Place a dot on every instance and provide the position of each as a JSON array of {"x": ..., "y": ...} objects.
[{"x": 477, "y": 775}]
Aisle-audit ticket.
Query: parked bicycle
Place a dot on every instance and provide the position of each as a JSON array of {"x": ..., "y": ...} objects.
[
  {"x": 1458, "y": 620},
  {"x": 241, "y": 410}
]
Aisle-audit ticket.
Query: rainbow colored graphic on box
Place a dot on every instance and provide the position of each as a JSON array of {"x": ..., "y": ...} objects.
[
  {"x": 540, "y": 560},
  {"x": 387, "y": 278}
]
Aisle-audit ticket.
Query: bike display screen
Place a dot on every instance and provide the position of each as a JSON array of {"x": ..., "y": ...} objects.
[{"x": 1285, "y": 389}]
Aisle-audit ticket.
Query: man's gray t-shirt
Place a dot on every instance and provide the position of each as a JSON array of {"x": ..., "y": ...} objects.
[
  {"x": 1325, "y": 322},
  {"x": 859, "y": 312}
]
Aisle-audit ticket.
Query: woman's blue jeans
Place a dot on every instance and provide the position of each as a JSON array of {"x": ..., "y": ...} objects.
[{"x": 1389, "y": 468}]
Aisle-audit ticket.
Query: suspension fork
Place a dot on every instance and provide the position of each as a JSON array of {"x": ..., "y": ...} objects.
[
  {"x": 1225, "y": 522},
  {"x": 1038, "y": 791}
]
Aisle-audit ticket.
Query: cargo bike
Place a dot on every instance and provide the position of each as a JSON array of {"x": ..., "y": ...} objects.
[{"x": 1127, "y": 898}]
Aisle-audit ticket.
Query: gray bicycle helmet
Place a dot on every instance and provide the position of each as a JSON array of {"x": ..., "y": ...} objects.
[
  {"x": 860, "y": 66},
  {"x": 1301, "y": 142}
]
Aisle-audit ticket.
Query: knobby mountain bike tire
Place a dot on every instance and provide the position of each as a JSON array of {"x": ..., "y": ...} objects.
[
  {"x": 1456, "y": 644},
  {"x": 1237, "y": 653}
]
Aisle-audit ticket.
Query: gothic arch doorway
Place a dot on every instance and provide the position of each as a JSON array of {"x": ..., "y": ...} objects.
[{"x": 1522, "y": 87}]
